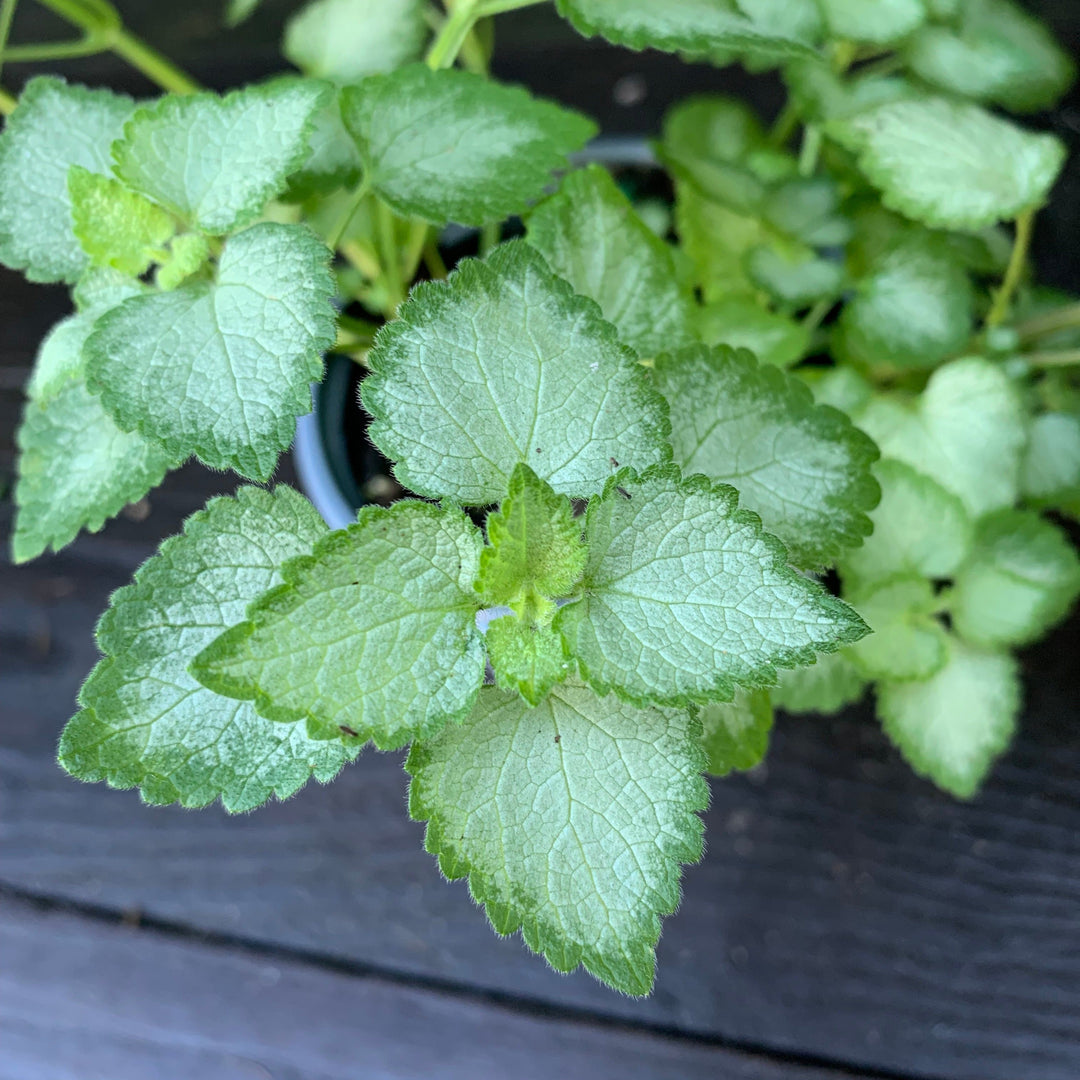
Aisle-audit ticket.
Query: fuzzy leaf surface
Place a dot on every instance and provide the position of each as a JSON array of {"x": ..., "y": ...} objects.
[
  {"x": 222, "y": 368},
  {"x": 526, "y": 657},
  {"x": 54, "y": 127},
  {"x": 966, "y": 430},
  {"x": 145, "y": 722},
  {"x": 951, "y": 164},
  {"x": 344, "y": 40},
  {"x": 953, "y": 726},
  {"x": 1022, "y": 577},
  {"x": 534, "y": 544},
  {"x": 453, "y": 146},
  {"x": 804, "y": 468},
  {"x": 736, "y": 733},
  {"x": 591, "y": 236},
  {"x": 919, "y": 529},
  {"x": 570, "y": 821},
  {"x": 372, "y": 636},
  {"x": 215, "y": 161},
  {"x": 500, "y": 364},
  {"x": 685, "y": 596}
]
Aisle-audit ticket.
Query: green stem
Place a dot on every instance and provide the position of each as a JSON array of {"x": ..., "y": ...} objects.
[
  {"x": 433, "y": 259},
  {"x": 811, "y": 150},
  {"x": 390, "y": 257},
  {"x": 414, "y": 249},
  {"x": 1064, "y": 358},
  {"x": 1050, "y": 322},
  {"x": 7, "y": 102},
  {"x": 7, "y": 13},
  {"x": 489, "y": 238},
  {"x": 487, "y": 8},
  {"x": 785, "y": 124},
  {"x": 1015, "y": 271},
  {"x": 54, "y": 50},
  {"x": 446, "y": 46},
  {"x": 817, "y": 313},
  {"x": 333, "y": 241}
]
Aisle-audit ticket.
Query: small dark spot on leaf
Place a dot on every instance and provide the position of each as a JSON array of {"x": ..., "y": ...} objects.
[
  {"x": 614, "y": 463},
  {"x": 624, "y": 493},
  {"x": 346, "y": 730},
  {"x": 538, "y": 450},
  {"x": 558, "y": 738}
]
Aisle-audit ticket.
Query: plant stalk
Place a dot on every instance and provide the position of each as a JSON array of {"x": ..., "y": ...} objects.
[
  {"x": 999, "y": 311},
  {"x": 7, "y": 103},
  {"x": 1064, "y": 358},
  {"x": 487, "y": 8},
  {"x": 7, "y": 14},
  {"x": 446, "y": 46},
  {"x": 1050, "y": 322},
  {"x": 363, "y": 189}
]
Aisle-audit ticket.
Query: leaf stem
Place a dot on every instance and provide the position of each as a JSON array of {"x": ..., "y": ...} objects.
[
  {"x": 785, "y": 124},
  {"x": 446, "y": 46},
  {"x": 1015, "y": 271},
  {"x": 487, "y": 8},
  {"x": 363, "y": 189},
  {"x": 811, "y": 150},
  {"x": 7, "y": 13},
  {"x": 433, "y": 259},
  {"x": 390, "y": 257},
  {"x": 1064, "y": 358},
  {"x": 1050, "y": 322},
  {"x": 414, "y": 249},
  {"x": 7, "y": 102}
]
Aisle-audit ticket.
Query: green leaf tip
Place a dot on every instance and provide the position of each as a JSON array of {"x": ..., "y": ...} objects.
[
  {"x": 570, "y": 821},
  {"x": 685, "y": 596},
  {"x": 145, "y": 722},
  {"x": 458, "y": 401},
  {"x": 372, "y": 635}
]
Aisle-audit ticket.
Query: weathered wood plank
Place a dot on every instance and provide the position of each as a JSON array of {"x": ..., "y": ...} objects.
[
  {"x": 99, "y": 1001},
  {"x": 844, "y": 910}
]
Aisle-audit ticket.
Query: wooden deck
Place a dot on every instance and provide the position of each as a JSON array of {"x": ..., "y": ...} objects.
[{"x": 847, "y": 921}]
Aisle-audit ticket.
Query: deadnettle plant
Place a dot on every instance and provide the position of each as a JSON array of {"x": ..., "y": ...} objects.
[{"x": 635, "y": 439}]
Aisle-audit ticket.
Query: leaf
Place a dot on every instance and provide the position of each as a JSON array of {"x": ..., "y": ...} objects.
[
  {"x": 737, "y": 734},
  {"x": 874, "y": 21},
  {"x": 685, "y": 596},
  {"x": 222, "y": 369},
  {"x": 966, "y": 430},
  {"x": 820, "y": 93},
  {"x": 116, "y": 227},
  {"x": 920, "y": 529},
  {"x": 591, "y": 236},
  {"x": 914, "y": 308},
  {"x": 698, "y": 29},
  {"x": 453, "y": 146},
  {"x": 238, "y": 11},
  {"x": 186, "y": 255},
  {"x": 502, "y": 364},
  {"x": 570, "y": 821},
  {"x": 534, "y": 544},
  {"x": 741, "y": 323},
  {"x": 215, "y": 161},
  {"x": 145, "y": 722},
  {"x": 1050, "y": 471},
  {"x": 1021, "y": 579},
  {"x": 345, "y": 40},
  {"x": 54, "y": 127},
  {"x": 907, "y": 641},
  {"x": 372, "y": 636},
  {"x": 526, "y": 657},
  {"x": 998, "y": 54},
  {"x": 950, "y": 164},
  {"x": 805, "y": 469},
  {"x": 826, "y": 687},
  {"x": 952, "y": 727},
  {"x": 795, "y": 277},
  {"x": 333, "y": 162},
  {"x": 807, "y": 209}
]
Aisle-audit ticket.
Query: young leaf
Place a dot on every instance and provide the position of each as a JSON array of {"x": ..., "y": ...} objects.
[
  {"x": 920, "y": 529},
  {"x": 526, "y": 657},
  {"x": 794, "y": 276},
  {"x": 535, "y": 546},
  {"x": 914, "y": 308},
  {"x": 502, "y": 363},
  {"x": 570, "y": 821},
  {"x": 951, "y": 727},
  {"x": 950, "y": 164},
  {"x": 372, "y": 636},
  {"x": 907, "y": 641},
  {"x": 54, "y": 127},
  {"x": 998, "y": 53},
  {"x": 685, "y": 596},
  {"x": 698, "y": 29},
  {"x": 825, "y": 687},
  {"x": 1021, "y": 578},
  {"x": 1050, "y": 471},
  {"x": 222, "y": 368},
  {"x": 453, "y": 146},
  {"x": 737, "y": 733},
  {"x": 874, "y": 21},
  {"x": 116, "y": 227},
  {"x": 145, "y": 721},
  {"x": 345, "y": 40},
  {"x": 186, "y": 254},
  {"x": 805, "y": 469},
  {"x": 591, "y": 236},
  {"x": 967, "y": 431},
  {"x": 215, "y": 161},
  {"x": 742, "y": 323}
]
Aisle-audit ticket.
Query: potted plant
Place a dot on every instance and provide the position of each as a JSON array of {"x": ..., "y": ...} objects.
[{"x": 650, "y": 489}]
